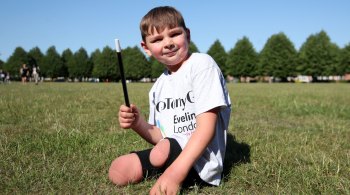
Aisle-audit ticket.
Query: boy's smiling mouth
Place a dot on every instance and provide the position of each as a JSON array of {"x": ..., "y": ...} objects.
[{"x": 170, "y": 53}]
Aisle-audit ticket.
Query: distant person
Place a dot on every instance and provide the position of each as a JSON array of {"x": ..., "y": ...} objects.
[
  {"x": 7, "y": 78},
  {"x": 35, "y": 74},
  {"x": 2, "y": 76},
  {"x": 189, "y": 113},
  {"x": 24, "y": 71}
]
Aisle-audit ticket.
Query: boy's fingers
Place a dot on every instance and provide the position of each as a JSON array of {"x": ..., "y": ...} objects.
[
  {"x": 126, "y": 120},
  {"x": 126, "y": 115},
  {"x": 134, "y": 108},
  {"x": 125, "y": 108},
  {"x": 125, "y": 125}
]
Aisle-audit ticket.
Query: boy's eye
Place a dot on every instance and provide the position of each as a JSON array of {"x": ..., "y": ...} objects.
[
  {"x": 156, "y": 40},
  {"x": 176, "y": 34}
]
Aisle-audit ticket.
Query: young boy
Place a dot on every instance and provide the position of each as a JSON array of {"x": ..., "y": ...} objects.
[{"x": 189, "y": 112}]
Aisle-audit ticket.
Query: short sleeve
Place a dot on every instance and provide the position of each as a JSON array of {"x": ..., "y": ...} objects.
[{"x": 208, "y": 86}]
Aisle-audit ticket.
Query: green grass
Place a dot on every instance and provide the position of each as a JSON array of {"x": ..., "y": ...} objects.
[{"x": 283, "y": 139}]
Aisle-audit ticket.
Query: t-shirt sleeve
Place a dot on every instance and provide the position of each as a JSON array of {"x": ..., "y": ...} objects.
[{"x": 209, "y": 86}]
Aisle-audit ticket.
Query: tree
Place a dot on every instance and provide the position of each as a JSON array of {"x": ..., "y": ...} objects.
[
  {"x": 242, "y": 59},
  {"x": 15, "y": 61},
  {"x": 52, "y": 65},
  {"x": 79, "y": 66},
  {"x": 1, "y": 64},
  {"x": 67, "y": 54},
  {"x": 218, "y": 53},
  {"x": 136, "y": 65},
  {"x": 93, "y": 56},
  {"x": 35, "y": 57},
  {"x": 105, "y": 65},
  {"x": 278, "y": 57},
  {"x": 333, "y": 68},
  {"x": 193, "y": 48},
  {"x": 318, "y": 56},
  {"x": 157, "y": 68},
  {"x": 344, "y": 61}
]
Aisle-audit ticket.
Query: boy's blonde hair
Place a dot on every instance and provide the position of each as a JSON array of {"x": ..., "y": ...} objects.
[{"x": 159, "y": 18}]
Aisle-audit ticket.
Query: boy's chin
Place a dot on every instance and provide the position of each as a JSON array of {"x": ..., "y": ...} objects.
[{"x": 177, "y": 62}]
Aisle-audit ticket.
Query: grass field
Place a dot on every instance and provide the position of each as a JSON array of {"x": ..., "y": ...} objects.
[{"x": 283, "y": 139}]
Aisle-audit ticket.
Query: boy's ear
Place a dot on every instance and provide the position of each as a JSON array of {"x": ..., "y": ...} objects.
[{"x": 145, "y": 48}]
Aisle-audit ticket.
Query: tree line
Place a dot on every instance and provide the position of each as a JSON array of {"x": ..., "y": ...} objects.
[{"x": 317, "y": 56}]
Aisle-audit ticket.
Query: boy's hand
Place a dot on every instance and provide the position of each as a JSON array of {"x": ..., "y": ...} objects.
[
  {"x": 167, "y": 183},
  {"x": 128, "y": 117},
  {"x": 164, "y": 186}
]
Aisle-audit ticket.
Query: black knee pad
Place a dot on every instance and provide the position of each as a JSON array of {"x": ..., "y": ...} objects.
[{"x": 148, "y": 169}]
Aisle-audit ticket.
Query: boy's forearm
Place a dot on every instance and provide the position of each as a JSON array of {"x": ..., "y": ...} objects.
[
  {"x": 147, "y": 131},
  {"x": 198, "y": 142}
]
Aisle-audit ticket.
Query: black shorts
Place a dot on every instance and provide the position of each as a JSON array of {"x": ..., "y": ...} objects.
[{"x": 149, "y": 171}]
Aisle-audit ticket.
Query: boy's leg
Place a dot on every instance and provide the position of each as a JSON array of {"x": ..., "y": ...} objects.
[
  {"x": 154, "y": 161},
  {"x": 133, "y": 167},
  {"x": 125, "y": 170},
  {"x": 167, "y": 151},
  {"x": 160, "y": 153}
]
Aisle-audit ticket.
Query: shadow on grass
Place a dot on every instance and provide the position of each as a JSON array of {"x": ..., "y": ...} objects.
[{"x": 236, "y": 154}]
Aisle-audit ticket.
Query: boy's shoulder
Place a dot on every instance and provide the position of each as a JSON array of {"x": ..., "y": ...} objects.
[
  {"x": 201, "y": 56},
  {"x": 201, "y": 61}
]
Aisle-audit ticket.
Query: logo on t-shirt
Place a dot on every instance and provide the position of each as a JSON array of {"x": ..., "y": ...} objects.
[
  {"x": 173, "y": 103},
  {"x": 185, "y": 123},
  {"x": 181, "y": 111}
]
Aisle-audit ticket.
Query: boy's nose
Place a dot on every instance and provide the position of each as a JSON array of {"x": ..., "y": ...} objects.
[{"x": 169, "y": 44}]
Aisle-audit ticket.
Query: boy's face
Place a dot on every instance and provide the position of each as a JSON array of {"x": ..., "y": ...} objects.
[{"x": 169, "y": 47}]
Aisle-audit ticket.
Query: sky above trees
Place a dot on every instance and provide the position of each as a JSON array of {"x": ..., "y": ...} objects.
[{"x": 95, "y": 24}]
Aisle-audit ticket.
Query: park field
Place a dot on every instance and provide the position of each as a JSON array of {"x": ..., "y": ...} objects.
[{"x": 60, "y": 138}]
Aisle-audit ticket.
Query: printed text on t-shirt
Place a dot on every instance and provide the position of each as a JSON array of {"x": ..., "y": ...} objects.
[{"x": 172, "y": 103}]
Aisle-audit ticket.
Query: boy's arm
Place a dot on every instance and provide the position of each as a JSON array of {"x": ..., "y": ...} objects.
[
  {"x": 174, "y": 175},
  {"x": 150, "y": 133},
  {"x": 131, "y": 118}
]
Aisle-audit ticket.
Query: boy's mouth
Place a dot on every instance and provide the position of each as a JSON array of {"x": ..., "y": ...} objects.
[{"x": 170, "y": 53}]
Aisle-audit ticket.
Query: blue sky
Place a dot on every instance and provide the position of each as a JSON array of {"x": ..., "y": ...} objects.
[{"x": 95, "y": 24}]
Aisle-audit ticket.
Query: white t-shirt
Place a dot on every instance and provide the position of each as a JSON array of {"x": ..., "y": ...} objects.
[{"x": 175, "y": 101}]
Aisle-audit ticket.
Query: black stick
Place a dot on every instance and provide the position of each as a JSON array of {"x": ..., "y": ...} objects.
[{"x": 121, "y": 68}]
